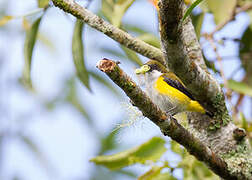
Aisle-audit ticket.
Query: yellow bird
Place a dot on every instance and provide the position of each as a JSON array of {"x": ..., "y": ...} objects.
[{"x": 166, "y": 90}]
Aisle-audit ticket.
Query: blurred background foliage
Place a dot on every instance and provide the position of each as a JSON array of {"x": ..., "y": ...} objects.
[{"x": 49, "y": 80}]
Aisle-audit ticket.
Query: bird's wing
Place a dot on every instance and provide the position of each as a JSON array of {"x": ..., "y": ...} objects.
[{"x": 178, "y": 85}]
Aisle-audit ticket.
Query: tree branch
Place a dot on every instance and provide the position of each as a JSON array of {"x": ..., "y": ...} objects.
[
  {"x": 184, "y": 57},
  {"x": 168, "y": 125},
  {"x": 137, "y": 45}
]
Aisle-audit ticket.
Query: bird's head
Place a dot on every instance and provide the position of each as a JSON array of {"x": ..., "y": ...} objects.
[{"x": 151, "y": 66}]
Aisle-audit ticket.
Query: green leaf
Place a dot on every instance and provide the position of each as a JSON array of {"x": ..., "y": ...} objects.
[
  {"x": 119, "y": 10},
  {"x": 30, "y": 40},
  {"x": 197, "y": 21},
  {"x": 5, "y": 20},
  {"x": 240, "y": 87},
  {"x": 78, "y": 54},
  {"x": 165, "y": 176},
  {"x": 175, "y": 147},
  {"x": 150, "y": 39},
  {"x": 114, "y": 10},
  {"x": 245, "y": 50},
  {"x": 221, "y": 9},
  {"x": 108, "y": 142},
  {"x": 152, "y": 150},
  {"x": 43, "y": 3},
  {"x": 190, "y": 9},
  {"x": 155, "y": 173},
  {"x": 132, "y": 56},
  {"x": 194, "y": 169}
]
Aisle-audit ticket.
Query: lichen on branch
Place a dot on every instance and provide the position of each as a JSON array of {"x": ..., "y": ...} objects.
[{"x": 167, "y": 124}]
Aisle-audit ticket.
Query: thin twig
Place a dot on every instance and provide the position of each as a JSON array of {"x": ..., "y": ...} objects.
[{"x": 246, "y": 7}]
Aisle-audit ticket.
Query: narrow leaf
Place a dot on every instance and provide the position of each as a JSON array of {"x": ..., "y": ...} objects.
[
  {"x": 115, "y": 10},
  {"x": 151, "y": 174},
  {"x": 119, "y": 10},
  {"x": 152, "y": 150},
  {"x": 108, "y": 142},
  {"x": 240, "y": 87},
  {"x": 190, "y": 9},
  {"x": 78, "y": 54},
  {"x": 5, "y": 20},
  {"x": 150, "y": 39},
  {"x": 197, "y": 21},
  {"x": 132, "y": 56},
  {"x": 222, "y": 10},
  {"x": 43, "y": 3},
  {"x": 30, "y": 40},
  {"x": 175, "y": 147}
]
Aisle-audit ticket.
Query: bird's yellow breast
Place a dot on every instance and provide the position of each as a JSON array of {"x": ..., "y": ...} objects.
[
  {"x": 164, "y": 88},
  {"x": 177, "y": 97}
]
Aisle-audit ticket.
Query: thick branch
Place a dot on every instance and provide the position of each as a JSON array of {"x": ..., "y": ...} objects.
[
  {"x": 168, "y": 125},
  {"x": 117, "y": 34},
  {"x": 184, "y": 57}
]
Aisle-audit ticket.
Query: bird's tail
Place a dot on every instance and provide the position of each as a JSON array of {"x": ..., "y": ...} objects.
[{"x": 196, "y": 107}]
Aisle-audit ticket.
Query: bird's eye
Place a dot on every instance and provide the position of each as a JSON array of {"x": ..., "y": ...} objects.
[
  {"x": 143, "y": 69},
  {"x": 146, "y": 68}
]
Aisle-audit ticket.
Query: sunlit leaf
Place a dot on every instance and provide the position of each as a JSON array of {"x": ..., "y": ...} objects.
[
  {"x": 240, "y": 87},
  {"x": 26, "y": 24},
  {"x": 30, "y": 39},
  {"x": 120, "y": 8},
  {"x": 132, "y": 56},
  {"x": 108, "y": 142},
  {"x": 107, "y": 8},
  {"x": 152, "y": 150},
  {"x": 197, "y": 21},
  {"x": 78, "y": 54},
  {"x": 222, "y": 10},
  {"x": 190, "y": 9},
  {"x": 194, "y": 169},
  {"x": 151, "y": 174},
  {"x": 43, "y": 3},
  {"x": 114, "y": 10},
  {"x": 5, "y": 20},
  {"x": 175, "y": 147},
  {"x": 150, "y": 39}
]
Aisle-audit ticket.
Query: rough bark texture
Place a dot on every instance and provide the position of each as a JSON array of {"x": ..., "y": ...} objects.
[
  {"x": 217, "y": 142},
  {"x": 184, "y": 57},
  {"x": 167, "y": 124}
]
